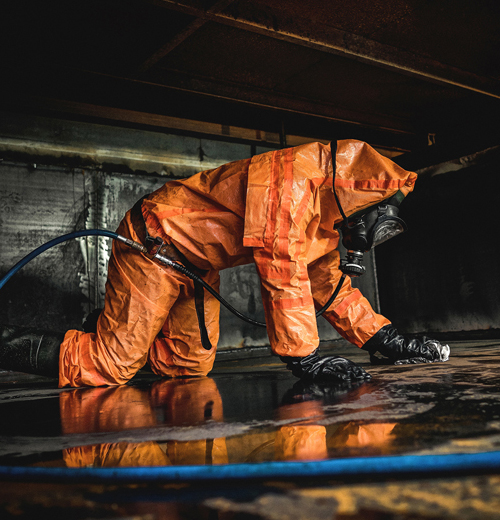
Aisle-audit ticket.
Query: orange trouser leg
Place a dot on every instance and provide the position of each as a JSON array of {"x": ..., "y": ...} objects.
[
  {"x": 350, "y": 314},
  {"x": 139, "y": 296},
  {"x": 178, "y": 350}
]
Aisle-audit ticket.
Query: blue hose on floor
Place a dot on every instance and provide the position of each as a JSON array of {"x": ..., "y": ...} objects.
[{"x": 388, "y": 466}]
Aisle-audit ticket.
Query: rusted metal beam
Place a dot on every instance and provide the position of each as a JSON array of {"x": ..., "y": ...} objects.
[
  {"x": 332, "y": 40},
  {"x": 389, "y": 140},
  {"x": 186, "y": 97},
  {"x": 174, "y": 123},
  {"x": 269, "y": 99},
  {"x": 181, "y": 36}
]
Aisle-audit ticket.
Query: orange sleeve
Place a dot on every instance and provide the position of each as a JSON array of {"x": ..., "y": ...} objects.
[
  {"x": 351, "y": 314},
  {"x": 282, "y": 261}
]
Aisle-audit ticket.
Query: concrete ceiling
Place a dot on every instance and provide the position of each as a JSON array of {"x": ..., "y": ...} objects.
[{"x": 396, "y": 73}]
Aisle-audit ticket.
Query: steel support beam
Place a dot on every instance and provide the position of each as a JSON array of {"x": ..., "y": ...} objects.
[
  {"x": 332, "y": 40},
  {"x": 181, "y": 36}
]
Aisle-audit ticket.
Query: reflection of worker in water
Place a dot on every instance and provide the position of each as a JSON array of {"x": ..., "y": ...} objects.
[
  {"x": 307, "y": 439},
  {"x": 279, "y": 210},
  {"x": 179, "y": 402},
  {"x": 186, "y": 404}
]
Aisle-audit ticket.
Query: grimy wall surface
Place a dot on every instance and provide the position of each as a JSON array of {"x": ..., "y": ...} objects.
[
  {"x": 42, "y": 196},
  {"x": 443, "y": 275}
]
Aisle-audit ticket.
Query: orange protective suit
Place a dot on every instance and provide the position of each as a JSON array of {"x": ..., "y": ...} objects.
[{"x": 276, "y": 209}]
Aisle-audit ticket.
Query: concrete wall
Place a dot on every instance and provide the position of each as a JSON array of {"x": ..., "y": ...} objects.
[
  {"x": 443, "y": 275},
  {"x": 59, "y": 176}
]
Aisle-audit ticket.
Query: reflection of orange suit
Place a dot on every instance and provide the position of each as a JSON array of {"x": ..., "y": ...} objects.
[
  {"x": 356, "y": 435},
  {"x": 277, "y": 210},
  {"x": 307, "y": 440},
  {"x": 304, "y": 440},
  {"x": 116, "y": 454},
  {"x": 175, "y": 402}
]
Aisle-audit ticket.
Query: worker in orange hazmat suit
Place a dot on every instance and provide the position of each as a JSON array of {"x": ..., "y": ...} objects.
[{"x": 279, "y": 210}]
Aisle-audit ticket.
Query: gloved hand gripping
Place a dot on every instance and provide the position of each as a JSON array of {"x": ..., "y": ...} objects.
[
  {"x": 401, "y": 350},
  {"x": 328, "y": 369}
]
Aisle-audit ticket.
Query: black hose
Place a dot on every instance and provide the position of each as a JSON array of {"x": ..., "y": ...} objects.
[
  {"x": 76, "y": 234},
  {"x": 162, "y": 259},
  {"x": 210, "y": 289},
  {"x": 332, "y": 297},
  {"x": 213, "y": 292}
]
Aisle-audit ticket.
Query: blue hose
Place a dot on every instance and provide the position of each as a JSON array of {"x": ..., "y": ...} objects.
[
  {"x": 52, "y": 243},
  {"x": 389, "y": 466}
]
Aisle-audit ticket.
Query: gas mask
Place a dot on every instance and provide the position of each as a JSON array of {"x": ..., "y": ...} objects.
[{"x": 367, "y": 229}]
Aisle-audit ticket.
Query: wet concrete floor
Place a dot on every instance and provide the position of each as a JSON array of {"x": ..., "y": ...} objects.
[{"x": 253, "y": 410}]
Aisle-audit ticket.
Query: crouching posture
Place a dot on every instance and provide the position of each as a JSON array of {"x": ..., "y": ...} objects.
[{"x": 280, "y": 210}]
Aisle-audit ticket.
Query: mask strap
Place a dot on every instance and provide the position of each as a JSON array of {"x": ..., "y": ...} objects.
[{"x": 333, "y": 148}]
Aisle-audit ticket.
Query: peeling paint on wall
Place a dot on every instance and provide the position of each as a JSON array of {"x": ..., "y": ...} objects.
[{"x": 95, "y": 250}]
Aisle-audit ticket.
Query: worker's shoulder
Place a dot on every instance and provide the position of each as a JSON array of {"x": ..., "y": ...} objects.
[
  {"x": 308, "y": 161},
  {"x": 313, "y": 160}
]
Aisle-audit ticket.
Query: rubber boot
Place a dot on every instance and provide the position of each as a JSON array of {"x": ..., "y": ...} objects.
[{"x": 30, "y": 350}]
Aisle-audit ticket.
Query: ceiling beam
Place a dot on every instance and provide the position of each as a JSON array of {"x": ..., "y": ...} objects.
[
  {"x": 272, "y": 99},
  {"x": 181, "y": 36},
  {"x": 160, "y": 85},
  {"x": 55, "y": 107},
  {"x": 335, "y": 41}
]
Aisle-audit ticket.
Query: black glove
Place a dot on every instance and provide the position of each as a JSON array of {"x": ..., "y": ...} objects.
[
  {"x": 328, "y": 369},
  {"x": 398, "y": 349}
]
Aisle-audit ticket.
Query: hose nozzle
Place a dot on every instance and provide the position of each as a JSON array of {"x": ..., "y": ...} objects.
[
  {"x": 352, "y": 264},
  {"x": 132, "y": 244}
]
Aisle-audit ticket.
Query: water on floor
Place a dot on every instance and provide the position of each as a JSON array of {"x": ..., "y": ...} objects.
[{"x": 252, "y": 411}]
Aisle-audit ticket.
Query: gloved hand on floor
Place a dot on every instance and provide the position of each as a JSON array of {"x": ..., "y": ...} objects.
[
  {"x": 400, "y": 350},
  {"x": 328, "y": 369}
]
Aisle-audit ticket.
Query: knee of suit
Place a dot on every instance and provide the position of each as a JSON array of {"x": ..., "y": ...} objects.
[{"x": 171, "y": 359}]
